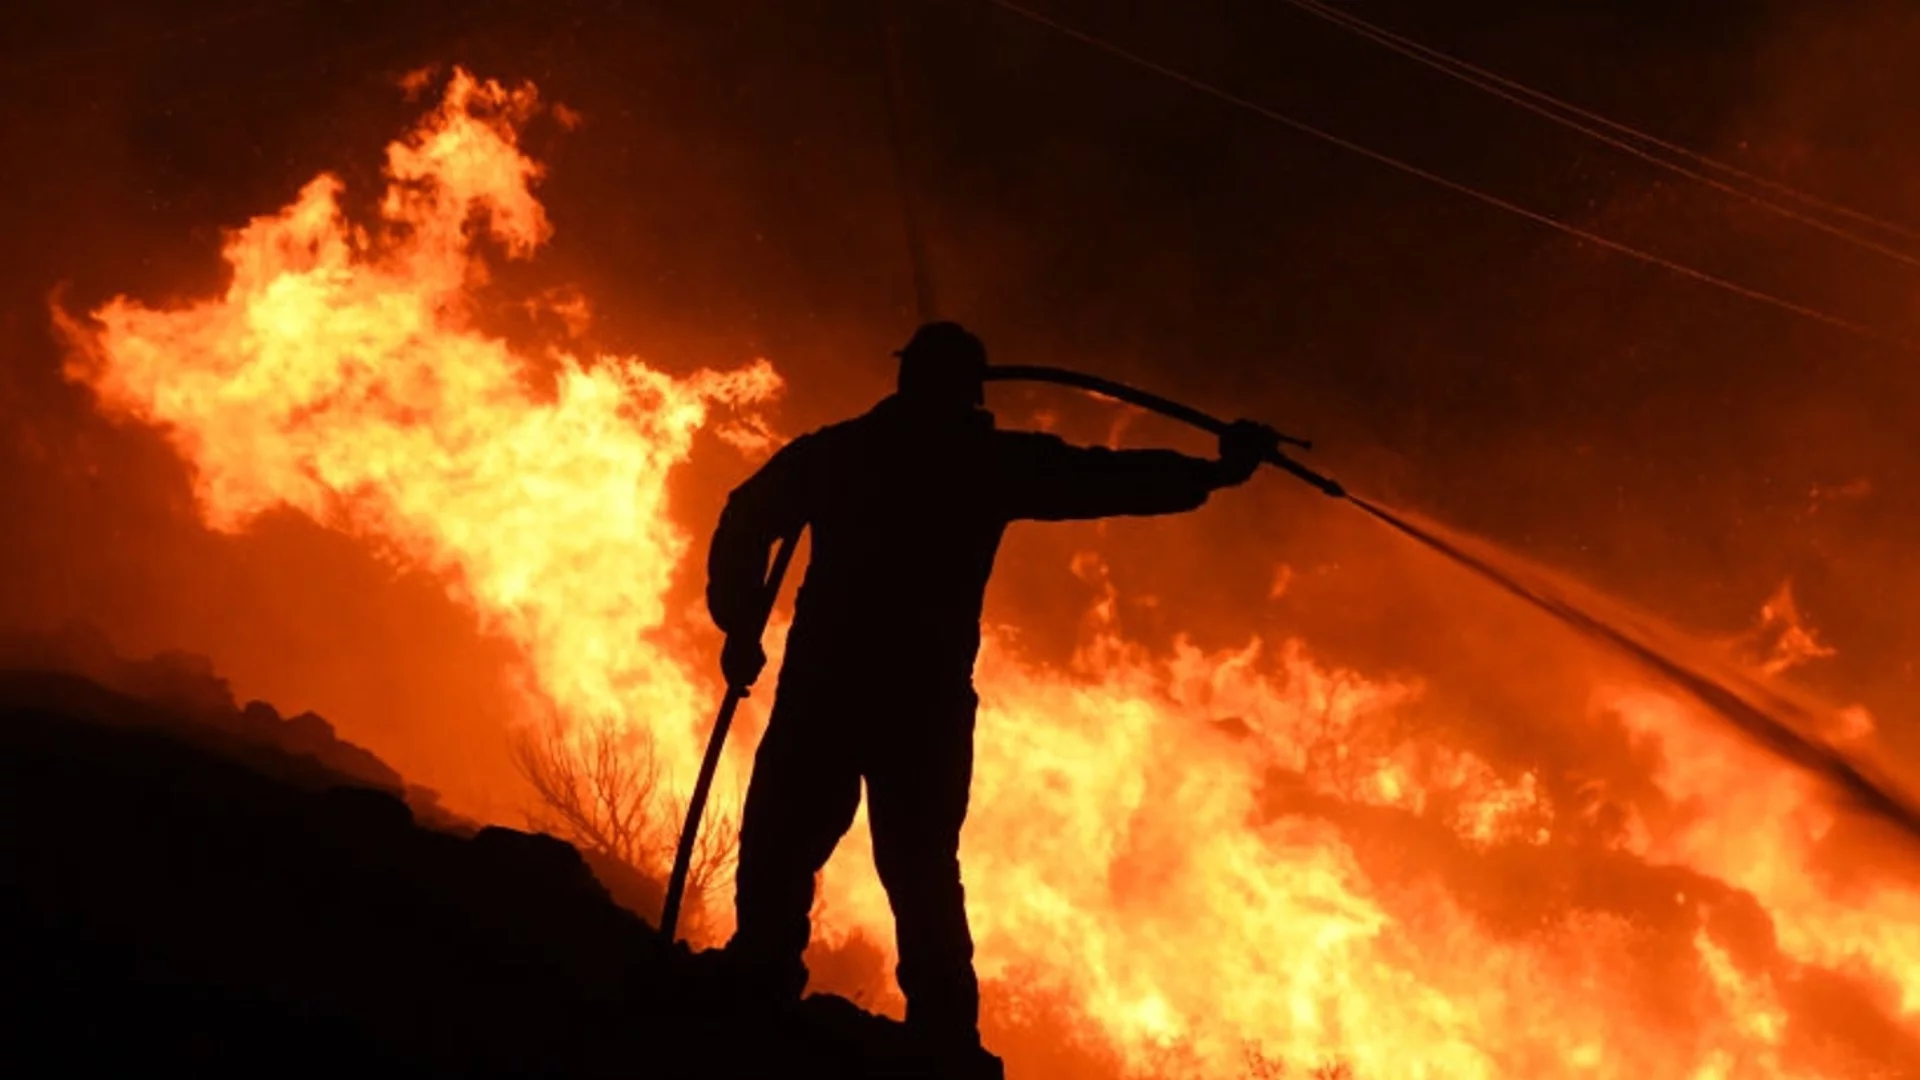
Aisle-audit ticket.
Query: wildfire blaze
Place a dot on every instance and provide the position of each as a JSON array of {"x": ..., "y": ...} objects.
[
  {"x": 341, "y": 375},
  {"x": 1183, "y": 857}
]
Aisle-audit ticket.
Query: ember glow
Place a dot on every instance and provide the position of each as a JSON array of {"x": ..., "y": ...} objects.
[{"x": 1179, "y": 856}]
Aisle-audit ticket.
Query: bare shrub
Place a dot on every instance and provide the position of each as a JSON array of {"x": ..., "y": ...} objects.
[
  {"x": 597, "y": 786},
  {"x": 714, "y": 856}
]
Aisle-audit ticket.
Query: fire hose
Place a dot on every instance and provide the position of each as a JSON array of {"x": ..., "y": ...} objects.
[
  {"x": 1874, "y": 794},
  {"x": 783, "y": 556}
]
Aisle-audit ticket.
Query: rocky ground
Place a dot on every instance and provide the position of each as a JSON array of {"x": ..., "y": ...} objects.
[{"x": 186, "y": 886}]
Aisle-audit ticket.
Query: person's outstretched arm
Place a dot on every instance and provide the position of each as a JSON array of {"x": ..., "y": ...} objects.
[
  {"x": 1049, "y": 479},
  {"x": 770, "y": 504}
]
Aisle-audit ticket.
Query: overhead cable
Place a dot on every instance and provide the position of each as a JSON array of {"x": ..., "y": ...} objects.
[
  {"x": 1623, "y": 137},
  {"x": 1806, "y": 311}
]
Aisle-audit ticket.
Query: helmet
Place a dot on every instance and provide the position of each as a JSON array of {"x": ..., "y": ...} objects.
[{"x": 943, "y": 363}]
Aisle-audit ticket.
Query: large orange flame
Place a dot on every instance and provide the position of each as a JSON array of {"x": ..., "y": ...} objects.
[
  {"x": 341, "y": 374},
  {"x": 1163, "y": 849}
]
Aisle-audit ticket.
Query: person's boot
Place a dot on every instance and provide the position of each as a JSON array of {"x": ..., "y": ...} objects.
[
  {"x": 974, "y": 1062},
  {"x": 954, "y": 1052},
  {"x": 760, "y": 984}
]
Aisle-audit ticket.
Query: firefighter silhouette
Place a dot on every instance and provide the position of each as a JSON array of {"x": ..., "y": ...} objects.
[{"x": 906, "y": 504}]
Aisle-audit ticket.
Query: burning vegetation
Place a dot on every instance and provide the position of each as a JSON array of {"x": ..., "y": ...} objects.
[{"x": 1190, "y": 861}]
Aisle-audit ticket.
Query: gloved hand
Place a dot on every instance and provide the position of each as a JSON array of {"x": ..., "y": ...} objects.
[
  {"x": 1243, "y": 446},
  {"x": 741, "y": 661}
]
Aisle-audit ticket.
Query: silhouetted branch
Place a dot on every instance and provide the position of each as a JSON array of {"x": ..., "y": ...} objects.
[
  {"x": 714, "y": 855},
  {"x": 598, "y": 786}
]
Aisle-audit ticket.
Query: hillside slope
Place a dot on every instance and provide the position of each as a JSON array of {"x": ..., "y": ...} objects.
[{"x": 178, "y": 896}]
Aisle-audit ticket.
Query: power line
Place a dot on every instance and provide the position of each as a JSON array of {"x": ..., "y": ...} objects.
[
  {"x": 1600, "y": 128},
  {"x": 1624, "y": 129},
  {"x": 1681, "y": 269}
]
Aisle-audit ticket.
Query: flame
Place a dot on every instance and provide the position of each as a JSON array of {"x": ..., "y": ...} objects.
[
  {"x": 342, "y": 374},
  {"x": 1785, "y": 637},
  {"x": 1209, "y": 863}
]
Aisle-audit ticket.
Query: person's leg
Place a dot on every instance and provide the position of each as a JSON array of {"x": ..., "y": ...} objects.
[
  {"x": 917, "y": 779},
  {"x": 800, "y": 801}
]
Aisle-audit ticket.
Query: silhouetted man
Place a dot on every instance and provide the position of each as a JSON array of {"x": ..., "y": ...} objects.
[{"x": 907, "y": 504}]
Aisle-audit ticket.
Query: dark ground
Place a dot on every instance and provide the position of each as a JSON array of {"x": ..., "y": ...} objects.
[{"x": 181, "y": 896}]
